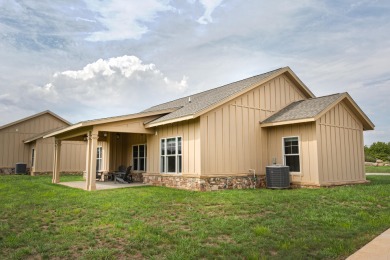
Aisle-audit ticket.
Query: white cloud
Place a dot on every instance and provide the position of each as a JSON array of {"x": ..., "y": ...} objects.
[
  {"x": 209, "y": 6},
  {"x": 332, "y": 46},
  {"x": 125, "y": 66},
  {"x": 125, "y": 20},
  {"x": 120, "y": 85}
]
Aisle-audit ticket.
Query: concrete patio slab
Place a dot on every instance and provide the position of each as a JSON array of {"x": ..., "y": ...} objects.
[
  {"x": 102, "y": 185},
  {"x": 378, "y": 249}
]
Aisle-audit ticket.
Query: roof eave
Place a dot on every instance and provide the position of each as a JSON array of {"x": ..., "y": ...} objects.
[
  {"x": 108, "y": 120},
  {"x": 32, "y": 139},
  {"x": 127, "y": 117},
  {"x": 330, "y": 106},
  {"x": 299, "y": 82},
  {"x": 169, "y": 121},
  {"x": 288, "y": 122},
  {"x": 72, "y": 127},
  {"x": 367, "y": 123}
]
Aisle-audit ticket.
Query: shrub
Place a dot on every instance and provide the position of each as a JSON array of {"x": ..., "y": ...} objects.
[
  {"x": 369, "y": 158},
  {"x": 378, "y": 150}
]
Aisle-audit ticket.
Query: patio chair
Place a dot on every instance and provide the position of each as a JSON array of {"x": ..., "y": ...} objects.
[
  {"x": 99, "y": 176},
  {"x": 123, "y": 177}
]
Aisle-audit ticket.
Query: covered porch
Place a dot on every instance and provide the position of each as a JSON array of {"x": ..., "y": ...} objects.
[{"x": 110, "y": 143}]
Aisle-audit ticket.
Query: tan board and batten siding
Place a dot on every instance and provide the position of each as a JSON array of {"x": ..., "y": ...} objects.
[
  {"x": 117, "y": 145},
  {"x": 232, "y": 140},
  {"x": 227, "y": 139},
  {"x": 13, "y": 149},
  {"x": 72, "y": 159},
  {"x": 190, "y": 133},
  {"x": 117, "y": 149},
  {"x": 306, "y": 133},
  {"x": 120, "y": 149},
  {"x": 340, "y": 146},
  {"x": 331, "y": 149}
]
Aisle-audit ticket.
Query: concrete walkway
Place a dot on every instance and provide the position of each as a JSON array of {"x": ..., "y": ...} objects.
[
  {"x": 378, "y": 249},
  {"x": 102, "y": 185}
]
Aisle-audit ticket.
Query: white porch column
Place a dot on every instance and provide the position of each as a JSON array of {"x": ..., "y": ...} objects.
[
  {"x": 91, "y": 160},
  {"x": 56, "y": 161}
]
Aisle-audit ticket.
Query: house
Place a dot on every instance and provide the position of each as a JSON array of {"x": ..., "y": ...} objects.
[
  {"x": 22, "y": 142},
  {"x": 223, "y": 137}
]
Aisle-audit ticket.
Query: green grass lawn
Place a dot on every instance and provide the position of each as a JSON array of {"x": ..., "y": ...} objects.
[
  {"x": 39, "y": 220},
  {"x": 379, "y": 169}
]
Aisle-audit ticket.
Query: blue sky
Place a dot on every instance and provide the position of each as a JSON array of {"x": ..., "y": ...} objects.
[{"x": 92, "y": 59}]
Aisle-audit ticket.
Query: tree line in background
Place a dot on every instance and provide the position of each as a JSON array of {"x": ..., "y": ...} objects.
[{"x": 378, "y": 150}]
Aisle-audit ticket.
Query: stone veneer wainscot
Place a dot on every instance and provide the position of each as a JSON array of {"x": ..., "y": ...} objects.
[{"x": 204, "y": 183}]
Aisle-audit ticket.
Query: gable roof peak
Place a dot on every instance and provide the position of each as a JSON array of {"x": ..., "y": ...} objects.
[
  {"x": 34, "y": 116},
  {"x": 204, "y": 101},
  {"x": 180, "y": 102},
  {"x": 309, "y": 110}
]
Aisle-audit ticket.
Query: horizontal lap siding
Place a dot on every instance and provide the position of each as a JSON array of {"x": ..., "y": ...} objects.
[
  {"x": 232, "y": 140},
  {"x": 190, "y": 133},
  {"x": 341, "y": 147},
  {"x": 307, "y": 149}
]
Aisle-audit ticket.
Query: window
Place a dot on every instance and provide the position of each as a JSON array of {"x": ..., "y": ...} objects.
[
  {"x": 291, "y": 153},
  {"x": 99, "y": 159},
  {"x": 32, "y": 157},
  {"x": 139, "y": 157},
  {"x": 171, "y": 155}
]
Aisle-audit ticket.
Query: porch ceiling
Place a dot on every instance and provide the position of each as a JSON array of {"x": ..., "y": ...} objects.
[
  {"x": 129, "y": 126},
  {"x": 79, "y": 134}
]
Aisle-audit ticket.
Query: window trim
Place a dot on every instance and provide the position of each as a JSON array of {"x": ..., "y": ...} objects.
[
  {"x": 33, "y": 157},
  {"x": 99, "y": 158},
  {"x": 138, "y": 158},
  {"x": 299, "y": 153},
  {"x": 177, "y": 155}
]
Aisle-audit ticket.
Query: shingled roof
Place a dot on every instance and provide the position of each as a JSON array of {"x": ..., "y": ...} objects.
[
  {"x": 194, "y": 104},
  {"x": 302, "y": 109}
]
